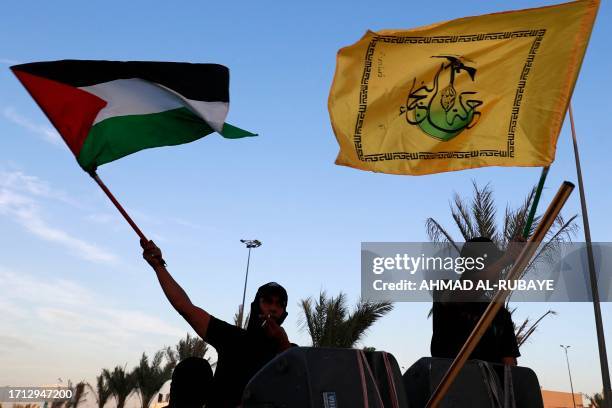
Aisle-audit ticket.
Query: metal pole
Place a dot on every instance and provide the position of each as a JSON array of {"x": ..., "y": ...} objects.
[
  {"x": 246, "y": 277},
  {"x": 497, "y": 302},
  {"x": 536, "y": 200},
  {"x": 570, "y": 373},
  {"x": 601, "y": 340}
]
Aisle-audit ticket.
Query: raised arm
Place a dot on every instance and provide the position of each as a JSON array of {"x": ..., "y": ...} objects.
[
  {"x": 493, "y": 271},
  {"x": 197, "y": 318}
]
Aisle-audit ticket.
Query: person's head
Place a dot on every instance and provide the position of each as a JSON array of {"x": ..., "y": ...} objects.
[
  {"x": 191, "y": 383},
  {"x": 480, "y": 247},
  {"x": 270, "y": 299}
]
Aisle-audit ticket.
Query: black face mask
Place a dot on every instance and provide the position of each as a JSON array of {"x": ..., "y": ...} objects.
[{"x": 269, "y": 289}]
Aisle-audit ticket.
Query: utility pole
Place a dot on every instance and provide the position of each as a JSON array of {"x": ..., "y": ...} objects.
[
  {"x": 250, "y": 244},
  {"x": 569, "y": 372}
]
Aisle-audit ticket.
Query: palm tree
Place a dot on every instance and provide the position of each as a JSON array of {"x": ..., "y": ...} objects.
[
  {"x": 120, "y": 384},
  {"x": 525, "y": 330},
  {"x": 149, "y": 378},
  {"x": 330, "y": 325},
  {"x": 477, "y": 218},
  {"x": 186, "y": 347},
  {"x": 78, "y": 393},
  {"x": 596, "y": 400},
  {"x": 245, "y": 321},
  {"x": 103, "y": 392}
]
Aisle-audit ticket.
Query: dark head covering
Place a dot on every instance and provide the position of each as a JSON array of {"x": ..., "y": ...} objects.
[
  {"x": 478, "y": 247},
  {"x": 191, "y": 383},
  {"x": 269, "y": 289}
]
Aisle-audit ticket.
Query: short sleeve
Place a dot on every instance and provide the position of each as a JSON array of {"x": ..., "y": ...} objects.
[{"x": 221, "y": 334}]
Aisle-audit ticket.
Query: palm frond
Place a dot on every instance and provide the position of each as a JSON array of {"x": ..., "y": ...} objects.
[
  {"x": 524, "y": 331},
  {"x": 365, "y": 315},
  {"x": 120, "y": 383},
  {"x": 148, "y": 377},
  {"x": 329, "y": 325},
  {"x": 437, "y": 233},
  {"x": 462, "y": 217},
  {"x": 103, "y": 392},
  {"x": 515, "y": 220},
  {"x": 479, "y": 219},
  {"x": 484, "y": 211}
]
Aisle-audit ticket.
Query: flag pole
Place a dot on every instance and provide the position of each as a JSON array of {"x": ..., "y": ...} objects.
[
  {"x": 601, "y": 341},
  {"x": 497, "y": 302},
  {"x": 94, "y": 175},
  {"x": 536, "y": 200}
]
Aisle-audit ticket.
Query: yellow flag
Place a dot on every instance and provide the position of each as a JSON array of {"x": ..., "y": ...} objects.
[{"x": 479, "y": 91}]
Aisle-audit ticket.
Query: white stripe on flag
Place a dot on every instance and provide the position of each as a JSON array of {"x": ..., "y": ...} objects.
[{"x": 136, "y": 96}]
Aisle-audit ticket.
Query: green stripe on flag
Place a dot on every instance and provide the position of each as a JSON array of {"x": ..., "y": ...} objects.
[
  {"x": 232, "y": 132},
  {"x": 120, "y": 136}
]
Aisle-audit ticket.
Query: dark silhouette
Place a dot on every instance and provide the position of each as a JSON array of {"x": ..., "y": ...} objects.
[
  {"x": 455, "y": 313},
  {"x": 241, "y": 353},
  {"x": 191, "y": 383}
]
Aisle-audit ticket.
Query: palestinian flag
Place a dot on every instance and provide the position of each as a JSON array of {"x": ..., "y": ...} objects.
[{"x": 105, "y": 110}]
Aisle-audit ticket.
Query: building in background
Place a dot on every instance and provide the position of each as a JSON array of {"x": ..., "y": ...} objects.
[{"x": 560, "y": 399}]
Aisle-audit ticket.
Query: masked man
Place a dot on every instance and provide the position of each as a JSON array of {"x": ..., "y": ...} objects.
[{"x": 241, "y": 353}]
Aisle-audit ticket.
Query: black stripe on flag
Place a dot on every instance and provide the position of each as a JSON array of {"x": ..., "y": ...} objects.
[{"x": 201, "y": 82}]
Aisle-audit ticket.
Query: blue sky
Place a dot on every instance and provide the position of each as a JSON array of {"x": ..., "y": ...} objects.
[{"x": 75, "y": 294}]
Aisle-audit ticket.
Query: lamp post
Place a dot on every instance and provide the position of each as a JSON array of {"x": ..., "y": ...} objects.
[
  {"x": 250, "y": 244},
  {"x": 569, "y": 372}
]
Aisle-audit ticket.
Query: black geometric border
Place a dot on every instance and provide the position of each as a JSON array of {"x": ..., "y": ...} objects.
[{"x": 363, "y": 95}]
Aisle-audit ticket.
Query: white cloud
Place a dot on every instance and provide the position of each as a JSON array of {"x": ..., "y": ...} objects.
[
  {"x": 8, "y": 61},
  {"x": 45, "y": 132},
  {"x": 19, "y": 200},
  {"x": 17, "y": 180},
  {"x": 71, "y": 310},
  {"x": 137, "y": 321},
  {"x": 57, "y": 291}
]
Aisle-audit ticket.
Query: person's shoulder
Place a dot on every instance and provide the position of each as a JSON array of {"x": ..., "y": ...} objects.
[{"x": 221, "y": 331}]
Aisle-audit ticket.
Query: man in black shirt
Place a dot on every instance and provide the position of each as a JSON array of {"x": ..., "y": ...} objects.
[
  {"x": 241, "y": 353},
  {"x": 455, "y": 314}
]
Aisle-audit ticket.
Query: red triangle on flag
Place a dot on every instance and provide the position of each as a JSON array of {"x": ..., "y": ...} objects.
[{"x": 71, "y": 110}]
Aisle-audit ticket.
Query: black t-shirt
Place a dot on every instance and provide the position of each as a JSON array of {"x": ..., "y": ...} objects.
[
  {"x": 240, "y": 355},
  {"x": 454, "y": 321}
]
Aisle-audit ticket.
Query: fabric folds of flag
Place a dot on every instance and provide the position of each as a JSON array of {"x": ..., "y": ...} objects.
[
  {"x": 489, "y": 90},
  {"x": 105, "y": 110}
]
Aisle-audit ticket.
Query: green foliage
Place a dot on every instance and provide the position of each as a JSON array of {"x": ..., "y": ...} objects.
[
  {"x": 477, "y": 217},
  {"x": 245, "y": 320},
  {"x": 120, "y": 384},
  {"x": 78, "y": 390},
  {"x": 149, "y": 377},
  {"x": 103, "y": 392},
  {"x": 329, "y": 323},
  {"x": 524, "y": 330},
  {"x": 186, "y": 347}
]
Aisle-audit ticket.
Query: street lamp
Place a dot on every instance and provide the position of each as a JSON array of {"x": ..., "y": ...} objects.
[
  {"x": 250, "y": 244},
  {"x": 569, "y": 372}
]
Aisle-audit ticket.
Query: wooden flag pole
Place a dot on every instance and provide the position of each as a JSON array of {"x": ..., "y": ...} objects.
[
  {"x": 94, "y": 175},
  {"x": 498, "y": 300},
  {"x": 601, "y": 341},
  {"x": 536, "y": 200}
]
